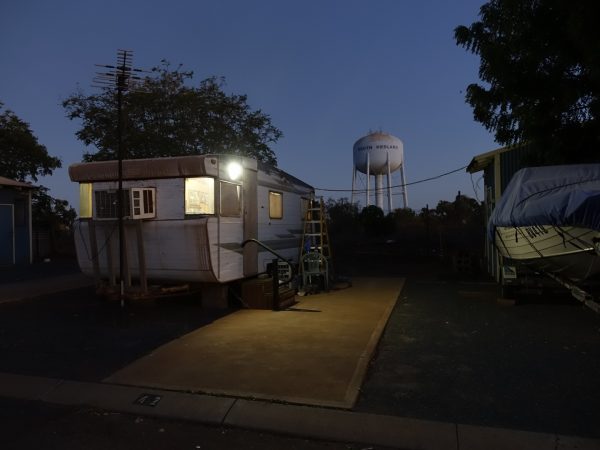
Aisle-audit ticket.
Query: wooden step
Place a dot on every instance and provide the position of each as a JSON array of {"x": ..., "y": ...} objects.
[
  {"x": 287, "y": 297},
  {"x": 258, "y": 294}
]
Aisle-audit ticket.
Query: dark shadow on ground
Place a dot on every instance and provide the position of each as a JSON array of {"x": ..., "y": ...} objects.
[
  {"x": 75, "y": 335},
  {"x": 38, "y": 270}
]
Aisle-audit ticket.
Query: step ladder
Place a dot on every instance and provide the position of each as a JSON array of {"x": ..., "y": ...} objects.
[{"x": 316, "y": 265}]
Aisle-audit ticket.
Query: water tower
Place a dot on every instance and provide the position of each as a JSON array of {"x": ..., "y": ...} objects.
[{"x": 379, "y": 154}]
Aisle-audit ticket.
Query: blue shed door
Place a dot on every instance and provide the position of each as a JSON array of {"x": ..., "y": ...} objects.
[{"x": 7, "y": 235}]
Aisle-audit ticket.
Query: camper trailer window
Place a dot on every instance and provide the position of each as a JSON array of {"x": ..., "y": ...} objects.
[
  {"x": 231, "y": 204},
  {"x": 85, "y": 200},
  {"x": 275, "y": 205},
  {"x": 200, "y": 195},
  {"x": 106, "y": 204},
  {"x": 143, "y": 203}
]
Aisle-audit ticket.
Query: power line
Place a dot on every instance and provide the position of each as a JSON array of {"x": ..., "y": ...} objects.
[{"x": 361, "y": 191}]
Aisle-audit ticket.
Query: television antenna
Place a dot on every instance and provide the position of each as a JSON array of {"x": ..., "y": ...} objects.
[{"x": 122, "y": 78}]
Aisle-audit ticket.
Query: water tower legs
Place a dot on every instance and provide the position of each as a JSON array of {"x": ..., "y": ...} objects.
[
  {"x": 403, "y": 180},
  {"x": 367, "y": 203},
  {"x": 379, "y": 190},
  {"x": 389, "y": 185},
  {"x": 379, "y": 173},
  {"x": 353, "y": 185}
]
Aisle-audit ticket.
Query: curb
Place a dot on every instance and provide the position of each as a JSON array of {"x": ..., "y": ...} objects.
[{"x": 303, "y": 421}]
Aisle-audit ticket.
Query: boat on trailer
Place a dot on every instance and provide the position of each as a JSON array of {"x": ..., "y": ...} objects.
[{"x": 548, "y": 219}]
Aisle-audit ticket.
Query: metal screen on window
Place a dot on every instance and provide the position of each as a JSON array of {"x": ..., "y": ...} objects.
[{"x": 107, "y": 205}]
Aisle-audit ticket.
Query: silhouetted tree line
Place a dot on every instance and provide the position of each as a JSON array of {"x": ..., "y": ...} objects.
[{"x": 450, "y": 230}]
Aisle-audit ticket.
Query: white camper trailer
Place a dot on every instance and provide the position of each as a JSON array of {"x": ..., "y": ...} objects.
[{"x": 185, "y": 218}]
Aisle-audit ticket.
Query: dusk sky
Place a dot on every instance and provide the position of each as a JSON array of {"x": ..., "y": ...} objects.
[{"x": 327, "y": 72}]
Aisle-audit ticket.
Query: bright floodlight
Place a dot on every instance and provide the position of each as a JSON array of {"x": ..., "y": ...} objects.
[{"x": 234, "y": 170}]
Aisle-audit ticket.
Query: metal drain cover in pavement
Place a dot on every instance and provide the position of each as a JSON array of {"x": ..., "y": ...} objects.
[{"x": 148, "y": 400}]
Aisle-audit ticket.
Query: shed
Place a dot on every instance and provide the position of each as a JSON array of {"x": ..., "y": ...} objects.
[
  {"x": 498, "y": 168},
  {"x": 15, "y": 222}
]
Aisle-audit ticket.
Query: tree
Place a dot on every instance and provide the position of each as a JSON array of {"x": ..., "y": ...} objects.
[
  {"x": 463, "y": 212},
  {"x": 539, "y": 66},
  {"x": 342, "y": 217},
  {"x": 373, "y": 220},
  {"x": 23, "y": 157},
  {"x": 166, "y": 117},
  {"x": 403, "y": 216},
  {"x": 51, "y": 212}
]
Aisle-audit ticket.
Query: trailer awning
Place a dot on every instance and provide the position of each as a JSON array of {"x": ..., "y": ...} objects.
[{"x": 145, "y": 169}]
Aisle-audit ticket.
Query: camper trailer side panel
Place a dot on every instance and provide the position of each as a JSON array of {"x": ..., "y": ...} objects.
[
  {"x": 226, "y": 236},
  {"x": 281, "y": 234},
  {"x": 175, "y": 248},
  {"x": 192, "y": 248}
]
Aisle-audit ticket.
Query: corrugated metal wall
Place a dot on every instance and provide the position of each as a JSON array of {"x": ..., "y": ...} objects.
[
  {"x": 490, "y": 250},
  {"x": 510, "y": 162}
]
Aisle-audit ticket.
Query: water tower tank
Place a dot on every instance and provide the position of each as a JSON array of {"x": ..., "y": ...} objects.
[
  {"x": 378, "y": 154},
  {"x": 375, "y": 149}
]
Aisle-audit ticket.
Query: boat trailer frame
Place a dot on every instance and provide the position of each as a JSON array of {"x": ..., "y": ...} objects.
[{"x": 584, "y": 297}]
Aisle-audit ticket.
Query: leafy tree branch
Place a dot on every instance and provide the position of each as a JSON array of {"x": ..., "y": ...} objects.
[
  {"x": 540, "y": 76},
  {"x": 164, "y": 116}
]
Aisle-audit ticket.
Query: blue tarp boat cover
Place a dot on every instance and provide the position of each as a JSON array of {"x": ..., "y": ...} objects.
[{"x": 550, "y": 195}]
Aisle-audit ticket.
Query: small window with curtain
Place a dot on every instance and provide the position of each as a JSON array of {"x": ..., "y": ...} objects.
[
  {"x": 275, "y": 205},
  {"x": 230, "y": 204},
  {"x": 200, "y": 195}
]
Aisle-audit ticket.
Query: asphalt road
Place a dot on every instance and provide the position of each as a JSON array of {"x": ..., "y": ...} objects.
[{"x": 450, "y": 352}]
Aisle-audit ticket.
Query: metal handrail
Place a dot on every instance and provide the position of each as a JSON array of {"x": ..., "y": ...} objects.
[{"x": 270, "y": 250}]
